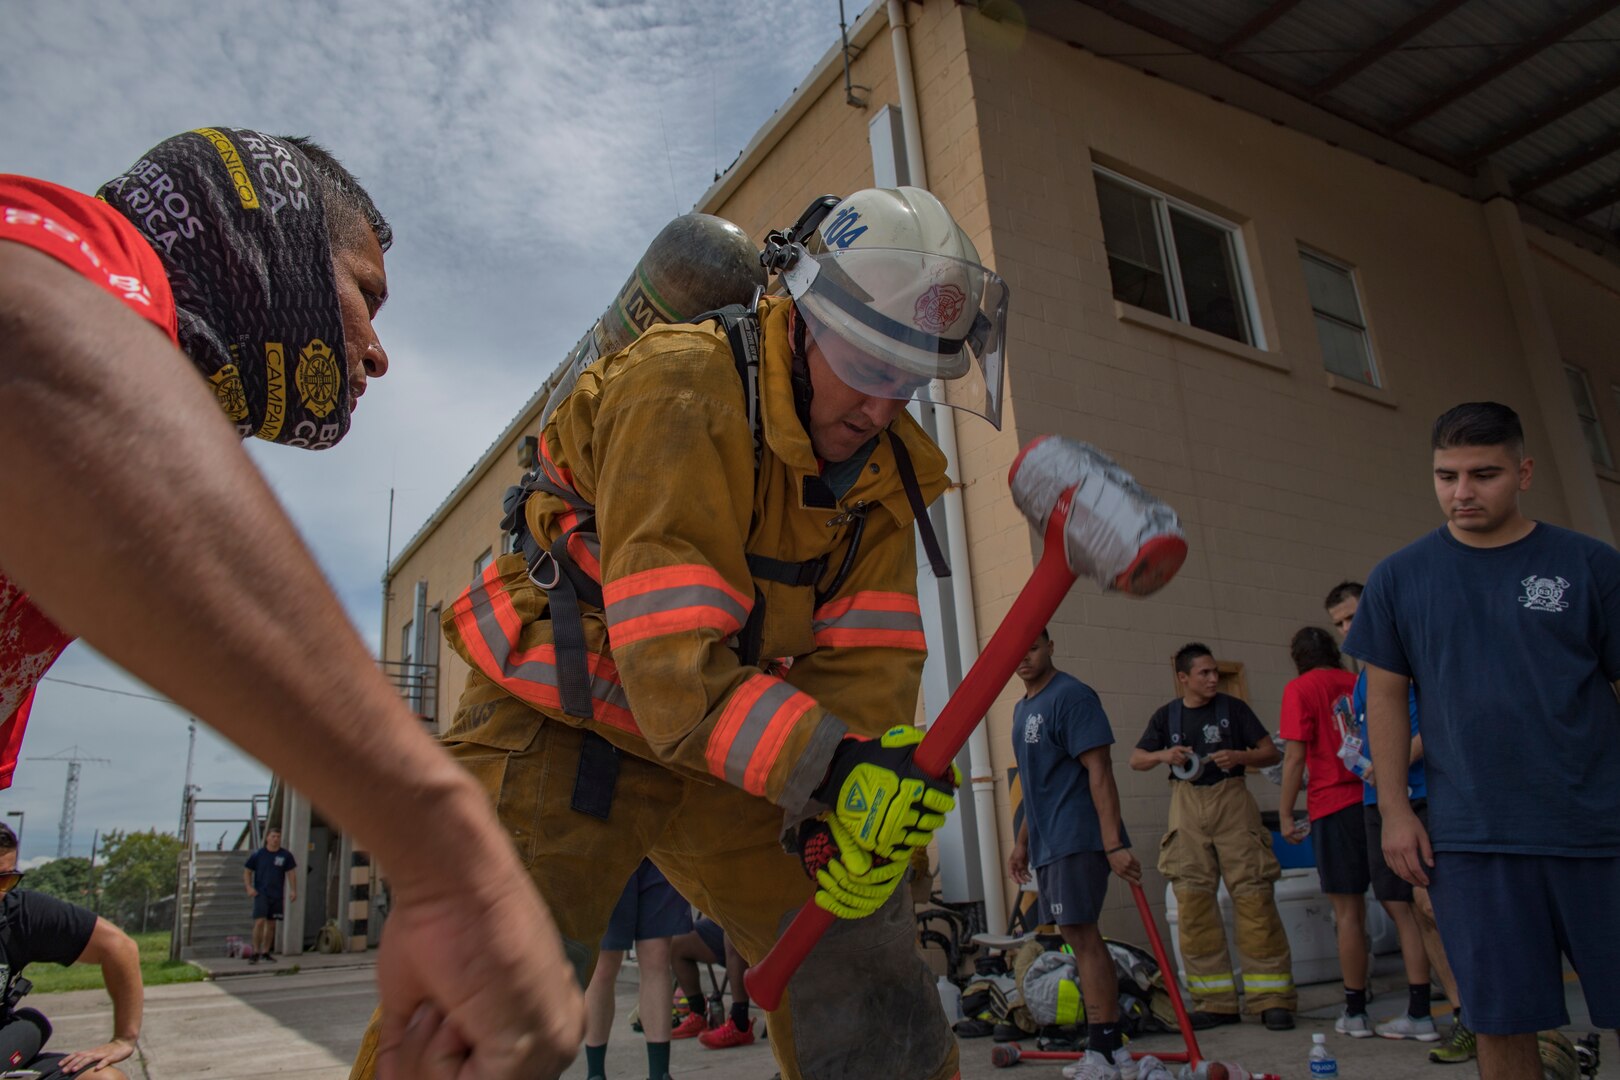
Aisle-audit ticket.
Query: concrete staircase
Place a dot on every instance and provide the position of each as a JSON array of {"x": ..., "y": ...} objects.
[{"x": 222, "y": 905}]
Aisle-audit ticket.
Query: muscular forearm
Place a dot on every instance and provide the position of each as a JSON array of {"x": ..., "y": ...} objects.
[
  {"x": 1293, "y": 774},
  {"x": 122, "y": 974},
  {"x": 135, "y": 520},
  {"x": 1144, "y": 760},
  {"x": 1105, "y": 797},
  {"x": 1389, "y": 731},
  {"x": 1260, "y": 757}
]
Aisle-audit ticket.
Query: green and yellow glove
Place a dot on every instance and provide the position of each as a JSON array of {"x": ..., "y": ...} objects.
[
  {"x": 883, "y": 801},
  {"x": 851, "y": 884}
]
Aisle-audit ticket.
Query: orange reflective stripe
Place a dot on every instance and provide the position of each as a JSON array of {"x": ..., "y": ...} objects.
[
  {"x": 889, "y": 620},
  {"x": 556, "y": 472},
  {"x": 583, "y": 547},
  {"x": 673, "y": 600},
  {"x": 488, "y": 623},
  {"x": 752, "y": 729}
]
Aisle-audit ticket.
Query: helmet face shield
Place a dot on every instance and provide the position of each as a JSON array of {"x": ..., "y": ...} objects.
[{"x": 895, "y": 323}]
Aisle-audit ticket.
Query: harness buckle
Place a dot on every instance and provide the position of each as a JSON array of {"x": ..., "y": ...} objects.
[{"x": 556, "y": 571}]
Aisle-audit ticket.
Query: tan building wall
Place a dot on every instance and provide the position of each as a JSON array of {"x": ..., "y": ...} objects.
[{"x": 1287, "y": 480}]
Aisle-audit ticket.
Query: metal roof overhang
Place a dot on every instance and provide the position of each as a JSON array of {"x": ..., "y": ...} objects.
[{"x": 1483, "y": 97}]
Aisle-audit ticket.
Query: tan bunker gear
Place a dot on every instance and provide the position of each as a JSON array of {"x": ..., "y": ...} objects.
[
  {"x": 1215, "y": 833},
  {"x": 652, "y": 488}
]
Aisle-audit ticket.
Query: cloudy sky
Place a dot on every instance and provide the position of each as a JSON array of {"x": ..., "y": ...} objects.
[{"x": 524, "y": 152}]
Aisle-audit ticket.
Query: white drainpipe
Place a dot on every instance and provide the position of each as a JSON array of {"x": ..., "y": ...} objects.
[{"x": 982, "y": 778}]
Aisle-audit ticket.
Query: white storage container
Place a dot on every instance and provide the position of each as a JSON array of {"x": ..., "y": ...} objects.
[{"x": 1307, "y": 918}]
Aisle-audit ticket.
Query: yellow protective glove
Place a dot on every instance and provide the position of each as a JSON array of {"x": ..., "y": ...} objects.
[
  {"x": 851, "y": 883},
  {"x": 884, "y": 802}
]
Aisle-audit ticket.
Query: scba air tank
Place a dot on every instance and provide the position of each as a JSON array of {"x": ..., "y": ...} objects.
[{"x": 696, "y": 263}]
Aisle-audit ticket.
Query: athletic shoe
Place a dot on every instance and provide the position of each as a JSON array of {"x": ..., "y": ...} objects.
[
  {"x": 1094, "y": 1066},
  {"x": 1201, "y": 1020},
  {"x": 1278, "y": 1019},
  {"x": 694, "y": 1025},
  {"x": 1151, "y": 1068},
  {"x": 1358, "y": 1026},
  {"x": 253, "y": 958},
  {"x": 269, "y": 958},
  {"x": 1409, "y": 1027},
  {"x": 724, "y": 1038},
  {"x": 1457, "y": 1049}
]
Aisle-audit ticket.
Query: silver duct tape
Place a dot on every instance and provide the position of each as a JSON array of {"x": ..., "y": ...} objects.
[
  {"x": 1111, "y": 517},
  {"x": 1191, "y": 769}
]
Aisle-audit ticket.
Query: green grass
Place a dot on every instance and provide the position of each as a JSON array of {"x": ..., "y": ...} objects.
[{"x": 156, "y": 969}]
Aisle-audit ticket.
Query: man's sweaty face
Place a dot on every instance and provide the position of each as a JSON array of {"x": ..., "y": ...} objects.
[{"x": 362, "y": 288}]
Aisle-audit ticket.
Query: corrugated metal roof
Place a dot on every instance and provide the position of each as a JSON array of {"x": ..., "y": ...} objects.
[{"x": 1522, "y": 86}]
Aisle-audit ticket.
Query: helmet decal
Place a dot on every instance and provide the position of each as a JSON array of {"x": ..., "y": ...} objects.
[{"x": 939, "y": 307}]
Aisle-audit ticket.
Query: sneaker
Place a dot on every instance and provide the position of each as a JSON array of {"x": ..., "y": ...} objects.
[
  {"x": 1201, "y": 1020},
  {"x": 724, "y": 1038},
  {"x": 1278, "y": 1019},
  {"x": 1358, "y": 1026},
  {"x": 253, "y": 958},
  {"x": 694, "y": 1025},
  {"x": 1457, "y": 1049},
  {"x": 269, "y": 958},
  {"x": 1409, "y": 1027},
  {"x": 1092, "y": 1066},
  {"x": 1149, "y": 1067}
]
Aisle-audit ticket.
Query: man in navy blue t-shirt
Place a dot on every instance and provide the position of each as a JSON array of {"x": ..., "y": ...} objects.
[
  {"x": 1510, "y": 629},
  {"x": 268, "y": 875},
  {"x": 1072, "y": 833}
]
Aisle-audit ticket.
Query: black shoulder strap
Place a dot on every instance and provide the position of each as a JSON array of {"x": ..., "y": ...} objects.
[
  {"x": 1177, "y": 734},
  {"x": 919, "y": 509},
  {"x": 743, "y": 332}
]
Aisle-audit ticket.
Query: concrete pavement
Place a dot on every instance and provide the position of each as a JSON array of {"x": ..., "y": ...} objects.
[{"x": 307, "y": 1024}]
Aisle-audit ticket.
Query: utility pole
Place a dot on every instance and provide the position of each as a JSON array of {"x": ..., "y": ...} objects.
[
  {"x": 95, "y": 838},
  {"x": 185, "y": 792},
  {"x": 70, "y": 795}
]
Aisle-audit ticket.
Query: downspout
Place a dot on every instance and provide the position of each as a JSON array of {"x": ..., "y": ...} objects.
[{"x": 981, "y": 777}]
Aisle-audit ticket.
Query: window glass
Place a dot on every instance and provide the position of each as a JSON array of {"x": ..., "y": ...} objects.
[
  {"x": 482, "y": 561},
  {"x": 1131, "y": 235},
  {"x": 1209, "y": 277},
  {"x": 1580, "y": 391}
]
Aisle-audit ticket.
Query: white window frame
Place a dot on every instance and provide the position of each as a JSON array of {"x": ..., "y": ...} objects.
[
  {"x": 485, "y": 557},
  {"x": 1162, "y": 204},
  {"x": 1597, "y": 421},
  {"x": 1350, "y": 272}
]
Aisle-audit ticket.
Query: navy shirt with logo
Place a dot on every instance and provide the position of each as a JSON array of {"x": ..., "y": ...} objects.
[
  {"x": 270, "y": 870},
  {"x": 1050, "y": 732},
  {"x": 1201, "y": 730},
  {"x": 1512, "y": 650}
]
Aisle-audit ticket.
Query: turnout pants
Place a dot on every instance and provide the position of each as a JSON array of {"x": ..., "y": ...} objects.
[
  {"x": 864, "y": 1004},
  {"x": 1215, "y": 834}
]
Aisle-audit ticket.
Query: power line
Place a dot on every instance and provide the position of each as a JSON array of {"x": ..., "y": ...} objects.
[{"x": 110, "y": 690}]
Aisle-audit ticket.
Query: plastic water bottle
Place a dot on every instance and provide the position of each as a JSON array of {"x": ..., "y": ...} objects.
[
  {"x": 1323, "y": 1063},
  {"x": 950, "y": 999}
]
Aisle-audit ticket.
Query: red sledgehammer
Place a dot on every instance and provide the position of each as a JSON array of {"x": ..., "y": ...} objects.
[{"x": 1096, "y": 520}]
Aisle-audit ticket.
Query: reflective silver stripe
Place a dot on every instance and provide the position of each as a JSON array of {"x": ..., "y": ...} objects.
[
  {"x": 741, "y": 751},
  {"x": 861, "y": 619},
  {"x": 532, "y": 671},
  {"x": 674, "y": 598},
  {"x": 1210, "y": 982}
]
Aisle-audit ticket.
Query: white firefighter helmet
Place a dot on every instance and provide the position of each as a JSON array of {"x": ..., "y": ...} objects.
[{"x": 893, "y": 293}]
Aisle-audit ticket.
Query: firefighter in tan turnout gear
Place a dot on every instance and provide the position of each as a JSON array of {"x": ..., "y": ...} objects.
[
  {"x": 1208, "y": 739},
  {"x": 710, "y": 636}
]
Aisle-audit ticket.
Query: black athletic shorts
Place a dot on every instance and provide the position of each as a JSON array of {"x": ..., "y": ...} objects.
[
  {"x": 1072, "y": 888},
  {"x": 1340, "y": 840},
  {"x": 1386, "y": 884}
]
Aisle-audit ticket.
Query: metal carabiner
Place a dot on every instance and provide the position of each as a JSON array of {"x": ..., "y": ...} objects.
[{"x": 556, "y": 571}]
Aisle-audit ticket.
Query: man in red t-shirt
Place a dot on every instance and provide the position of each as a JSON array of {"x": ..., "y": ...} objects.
[
  {"x": 130, "y": 515},
  {"x": 1317, "y": 722}
]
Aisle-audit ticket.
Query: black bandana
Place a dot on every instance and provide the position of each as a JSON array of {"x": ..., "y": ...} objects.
[{"x": 237, "y": 220}]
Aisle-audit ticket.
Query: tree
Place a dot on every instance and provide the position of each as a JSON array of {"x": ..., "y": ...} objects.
[
  {"x": 137, "y": 868},
  {"x": 65, "y": 879}
]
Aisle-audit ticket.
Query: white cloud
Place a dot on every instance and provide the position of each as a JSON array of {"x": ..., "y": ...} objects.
[{"x": 525, "y": 154}]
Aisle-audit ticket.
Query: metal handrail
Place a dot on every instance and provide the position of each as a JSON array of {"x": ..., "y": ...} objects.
[
  {"x": 258, "y": 808},
  {"x": 417, "y": 683}
]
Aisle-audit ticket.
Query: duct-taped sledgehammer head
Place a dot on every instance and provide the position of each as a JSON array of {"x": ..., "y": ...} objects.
[
  {"x": 1004, "y": 1055},
  {"x": 1117, "y": 534}
]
